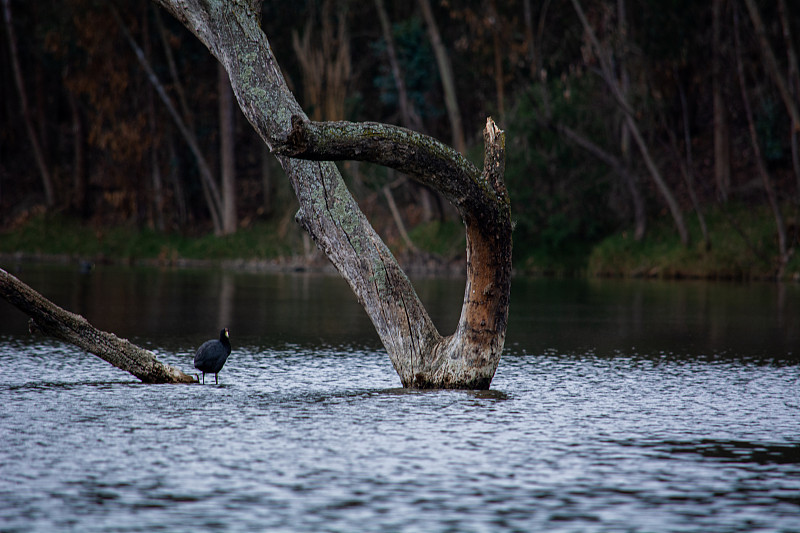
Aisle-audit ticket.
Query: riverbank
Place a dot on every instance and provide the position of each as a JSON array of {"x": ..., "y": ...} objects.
[
  {"x": 262, "y": 247},
  {"x": 741, "y": 246}
]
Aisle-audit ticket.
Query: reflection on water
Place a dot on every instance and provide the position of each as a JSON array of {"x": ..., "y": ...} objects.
[
  {"x": 617, "y": 407},
  {"x": 606, "y": 317}
]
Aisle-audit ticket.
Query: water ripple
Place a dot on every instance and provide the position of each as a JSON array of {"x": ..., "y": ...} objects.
[{"x": 299, "y": 439}]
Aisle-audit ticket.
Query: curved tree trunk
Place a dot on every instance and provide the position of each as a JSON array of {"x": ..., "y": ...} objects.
[
  {"x": 421, "y": 356},
  {"x": 52, "y": 320}
]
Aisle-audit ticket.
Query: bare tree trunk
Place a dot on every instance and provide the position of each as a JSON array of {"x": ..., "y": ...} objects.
[
  {"x": 398, "y": 220},
  {"x": 608, "y": 77},
  {"x": 771, "y": 64},
  {"x": 499, "y": 81},
  {"x": 624, "y": 131},
  {"x": 722, "y": 162},
  {"x": 186, "y": 113},
  {"x": 155, "y": 165},
  {"x": 446, "y": 74},
  {"x": 408, "y": 115},
  {"x": 227, "y": 152},
  {"x": 78, "y": 196},
  {"x": 176, "y": 179},
  {"x": 409, "y": 118},
  {"x": 38, "y": 153},
  {"x": 210, "y": 189},
  {"x": 530, "y": 44},
  {"x": 688, "y": 167},
  {"x": 621, "y": 169},
  {"x": 52, "y": 320},
  {"x": 793, "y": 79},
  {"x": 762, "y": 167},
  {"x": 420, "y": 355}
]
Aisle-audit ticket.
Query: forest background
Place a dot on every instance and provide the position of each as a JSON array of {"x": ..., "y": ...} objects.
[{"x": 645, "y": 137}]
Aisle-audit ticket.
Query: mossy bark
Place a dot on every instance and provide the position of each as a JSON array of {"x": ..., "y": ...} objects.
[{"x": 420, "y": 355}]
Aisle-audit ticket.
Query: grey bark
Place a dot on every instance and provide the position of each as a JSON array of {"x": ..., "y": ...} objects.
[
  {"x": 52, "y": 320},
  {"x": 420, "y": 355}
]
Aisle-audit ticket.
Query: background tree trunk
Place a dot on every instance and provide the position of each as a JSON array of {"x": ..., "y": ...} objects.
[
  {"x": 446, "y": 74},
  {"x": 38, "y": 153},
  {"x": 607, "y": 74},
  {"x": 227, "y": 152},
  {"x": 766, "y": 180},
  {"x": 722, "y": 162},
  {"x": 210, "y": 189}
]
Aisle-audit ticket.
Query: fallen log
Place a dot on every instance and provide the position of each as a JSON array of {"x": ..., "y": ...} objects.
[{"x": 54, "y": 321}]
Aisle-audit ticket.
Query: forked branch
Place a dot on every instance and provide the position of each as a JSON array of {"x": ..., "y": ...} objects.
[{"x": 429, "y": 161}]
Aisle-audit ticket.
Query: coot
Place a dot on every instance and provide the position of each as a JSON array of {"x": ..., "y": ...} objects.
[{"x": 211, "y": 356}]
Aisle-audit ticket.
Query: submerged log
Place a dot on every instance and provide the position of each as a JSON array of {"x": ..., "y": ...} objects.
[{"x": 52, "y": 320}]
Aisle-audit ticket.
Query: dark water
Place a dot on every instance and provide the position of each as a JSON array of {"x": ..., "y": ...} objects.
[{"x": 618, "y": 406}]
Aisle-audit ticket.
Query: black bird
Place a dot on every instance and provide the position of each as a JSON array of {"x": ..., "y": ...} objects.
[{"x": 211, "y": 356}]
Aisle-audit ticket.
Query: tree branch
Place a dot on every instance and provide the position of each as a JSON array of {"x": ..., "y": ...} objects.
[
  {"x": 56, "y": 322},
  {"x": 429, "y": 161}
]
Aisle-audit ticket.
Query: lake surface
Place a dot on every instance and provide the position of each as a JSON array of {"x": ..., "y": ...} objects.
[{"x": 618, "y": 406}]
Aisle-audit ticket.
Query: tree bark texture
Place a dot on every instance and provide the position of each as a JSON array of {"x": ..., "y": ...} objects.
[
  {"x": 54, "y": 321},
  {"x": 421, "y": 356}
]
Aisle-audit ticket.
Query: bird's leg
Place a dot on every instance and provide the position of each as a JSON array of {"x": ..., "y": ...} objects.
[
  {"x": 204, "y": 378},
  {"x": 216, "y": 379}
]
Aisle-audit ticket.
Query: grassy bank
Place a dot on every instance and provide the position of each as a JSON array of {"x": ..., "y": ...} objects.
[
  {"x": 56, "y": 236},
  {"x": 62, "y": 236},
  {"x": 742, "y": 245}
]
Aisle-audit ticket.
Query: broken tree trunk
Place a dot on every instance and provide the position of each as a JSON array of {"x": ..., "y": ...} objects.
[
  {"x": 56, "y": 322},
  {"x": 421, "y": 356}
]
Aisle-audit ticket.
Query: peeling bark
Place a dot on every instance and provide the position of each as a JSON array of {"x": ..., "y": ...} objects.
[{"x": 52, "y": 320}]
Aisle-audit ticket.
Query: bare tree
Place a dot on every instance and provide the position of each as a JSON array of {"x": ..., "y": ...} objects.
[
  {"x": 210, "y": 189},
  {"x": 50, "y": 319},
  {"x": 722, "y": 162},
  {"x": 421, "y": 356}
]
